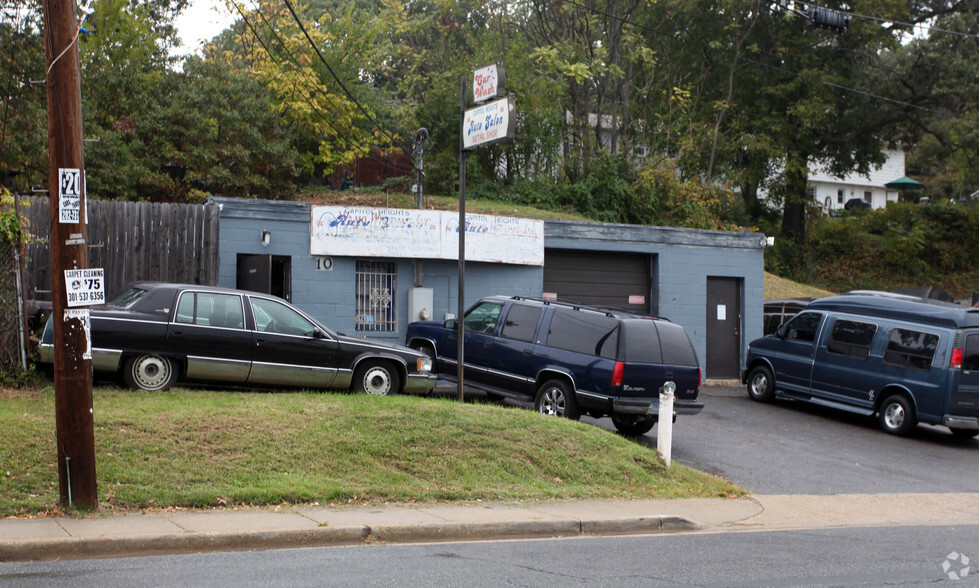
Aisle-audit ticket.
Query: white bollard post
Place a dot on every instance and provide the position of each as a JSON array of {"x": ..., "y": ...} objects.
[{"x": 664, "y": 429}]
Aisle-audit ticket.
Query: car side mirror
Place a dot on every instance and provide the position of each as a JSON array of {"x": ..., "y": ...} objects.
[
  {"x": 450, "y": 324},
  {"x": 781, "y": 331}
]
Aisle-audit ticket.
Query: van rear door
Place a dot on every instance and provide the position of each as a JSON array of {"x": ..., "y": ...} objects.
[{"x": 964, "y": 400}]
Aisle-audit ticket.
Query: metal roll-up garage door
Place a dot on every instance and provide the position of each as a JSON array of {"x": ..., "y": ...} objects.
[{"x": 619, "y": 280}]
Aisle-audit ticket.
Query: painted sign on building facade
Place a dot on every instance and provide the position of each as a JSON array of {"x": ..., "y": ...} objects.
[{"x": 423, "y": 234}]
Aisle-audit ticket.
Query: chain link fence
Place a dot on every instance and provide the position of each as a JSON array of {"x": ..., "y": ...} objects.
[{"x": 11, "y": 320}]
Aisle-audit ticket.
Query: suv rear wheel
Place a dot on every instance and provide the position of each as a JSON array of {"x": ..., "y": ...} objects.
[
  {"x": 555, "y": 398},
  {"x": 633, "y": 425}
]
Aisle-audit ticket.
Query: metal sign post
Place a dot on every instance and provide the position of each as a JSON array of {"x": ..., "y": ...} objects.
[
  {"x": 460, "y": 323},
  {"x": 488, "y": 123}
]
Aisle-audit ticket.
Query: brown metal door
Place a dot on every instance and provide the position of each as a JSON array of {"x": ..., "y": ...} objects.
[{"x": 723, "y": 328}]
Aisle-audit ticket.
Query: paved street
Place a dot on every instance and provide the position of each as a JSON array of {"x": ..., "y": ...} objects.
[{"x": 792, "y": 448}]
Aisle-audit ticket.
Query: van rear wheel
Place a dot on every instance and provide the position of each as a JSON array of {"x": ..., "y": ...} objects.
[
  {"x": 761, "y": 384},
  {"x": 633, "y": 425},
  {"x": 896, "y": 415}
]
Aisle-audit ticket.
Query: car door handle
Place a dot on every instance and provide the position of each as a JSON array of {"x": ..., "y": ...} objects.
[
  {"x": 487, "y": 345},
  {"x": 528, "y": 351}
]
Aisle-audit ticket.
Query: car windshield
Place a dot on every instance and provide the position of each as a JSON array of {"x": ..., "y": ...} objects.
[{"x": 128, "y": 298}]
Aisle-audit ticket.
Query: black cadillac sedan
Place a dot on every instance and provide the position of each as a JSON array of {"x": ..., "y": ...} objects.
[{"x": 154, "y": 335}]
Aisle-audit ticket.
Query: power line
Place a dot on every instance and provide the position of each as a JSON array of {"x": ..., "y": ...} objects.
[
  {"x": 899, "y": 23},
  {"x": 783, "y": 70},
  {"x": 339, "y": 81},
  {"x": 340, "y": 134}
]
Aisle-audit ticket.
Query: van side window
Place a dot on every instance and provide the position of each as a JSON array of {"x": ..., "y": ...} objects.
[
  {"x": 803, "y": 327},
  {"x": 521, "y": 322},
  {"x": 911, "y": 349},
  {"x": 970, "y": 360},
  {"x": 851, "y": 339},
  {"x": 584, "y": 332}
]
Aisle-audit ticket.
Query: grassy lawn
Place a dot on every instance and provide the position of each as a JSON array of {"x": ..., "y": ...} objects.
[
  {"x": 207, "y": 448},
  {"x": 777, "y": 288}
]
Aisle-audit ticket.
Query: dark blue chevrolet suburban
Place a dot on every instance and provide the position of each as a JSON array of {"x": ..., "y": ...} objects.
[
  {"x": 905, "y": 360},
  {"x": 570, "y": 359}
]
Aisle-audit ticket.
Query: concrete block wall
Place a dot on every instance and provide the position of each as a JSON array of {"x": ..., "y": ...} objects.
[
  {"x": 330, "y": 296},
  {"x": 683, "y": 259}
]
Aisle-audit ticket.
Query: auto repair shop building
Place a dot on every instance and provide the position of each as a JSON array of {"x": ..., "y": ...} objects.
[{"x": 370, "y": 271}]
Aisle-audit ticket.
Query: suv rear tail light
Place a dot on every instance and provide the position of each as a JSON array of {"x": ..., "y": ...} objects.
[
  {"x": 956, "y": 358},
  {"x": 617, "y": 374},
  {"x": 700, "y": 377}
]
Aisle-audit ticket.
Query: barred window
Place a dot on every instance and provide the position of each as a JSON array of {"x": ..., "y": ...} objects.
[{"x": 377, "y": 295}]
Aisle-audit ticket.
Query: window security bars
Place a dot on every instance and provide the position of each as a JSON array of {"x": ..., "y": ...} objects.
[{"x": 377, "y": 294}]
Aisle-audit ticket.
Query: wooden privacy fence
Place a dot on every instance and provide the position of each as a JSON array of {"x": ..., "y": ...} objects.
[{"x": 131, "y": 241}]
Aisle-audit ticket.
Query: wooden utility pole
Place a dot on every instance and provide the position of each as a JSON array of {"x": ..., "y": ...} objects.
[{"x": 74, "y": 419}]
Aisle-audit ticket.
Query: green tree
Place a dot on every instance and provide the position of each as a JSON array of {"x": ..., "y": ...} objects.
[
  {"x": 944, "y": 80},
  {"x": 23, "y": 117}
]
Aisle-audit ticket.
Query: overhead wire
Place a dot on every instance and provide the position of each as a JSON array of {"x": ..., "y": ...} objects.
[
  {"x": 329, "y": 68},
  {"x": 899, "y": 23},
  {"x": 370, "y": 155},
  {"x": 341, "y": 134}
]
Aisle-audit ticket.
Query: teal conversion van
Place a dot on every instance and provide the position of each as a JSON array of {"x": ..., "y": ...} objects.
[{"x": 902, "y": 359}]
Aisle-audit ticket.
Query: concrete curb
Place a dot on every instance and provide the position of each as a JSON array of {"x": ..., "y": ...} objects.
[{"x": 148, "y": 545}]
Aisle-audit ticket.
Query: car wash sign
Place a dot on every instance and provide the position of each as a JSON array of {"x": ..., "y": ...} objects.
[{"x": 489, "y": 122}]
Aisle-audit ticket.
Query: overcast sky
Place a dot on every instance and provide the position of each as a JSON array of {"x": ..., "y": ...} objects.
[{"x": 200, "y": 22}]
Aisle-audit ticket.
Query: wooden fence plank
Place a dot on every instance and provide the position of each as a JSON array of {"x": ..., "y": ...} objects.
[{"x": 132, "y": 241}]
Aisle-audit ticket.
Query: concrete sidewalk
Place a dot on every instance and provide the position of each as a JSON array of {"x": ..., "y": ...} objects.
[{"x": 193, "y": 531}]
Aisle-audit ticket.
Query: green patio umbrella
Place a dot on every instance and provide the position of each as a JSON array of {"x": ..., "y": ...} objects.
[{"x": 904, "y": 183}]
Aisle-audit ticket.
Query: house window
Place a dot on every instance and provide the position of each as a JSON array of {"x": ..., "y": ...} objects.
[
  {"x": 377, "y": 296},
  {"x": 839, "y": 196},
  {"x": 868, "y": 196}
]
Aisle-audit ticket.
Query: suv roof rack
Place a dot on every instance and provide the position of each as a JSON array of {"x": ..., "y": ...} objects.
[{"x": 609, "y": 311}]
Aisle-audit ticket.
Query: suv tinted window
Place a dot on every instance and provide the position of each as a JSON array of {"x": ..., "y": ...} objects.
[
  {"x": 677, "y": 349},
  {"x": 641, "y": 342},
  {"x": 802, "y": 327},
  {"x": 521, "y": 322},
  {"x": 584, "y": 332},
  {"x": 851, "y": 339},
  {"x": 911, "y": 349},
  {"x": 482, "y": 319}
]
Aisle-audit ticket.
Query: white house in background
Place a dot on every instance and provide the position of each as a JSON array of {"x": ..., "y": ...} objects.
[{"x": 833, "y": 193}]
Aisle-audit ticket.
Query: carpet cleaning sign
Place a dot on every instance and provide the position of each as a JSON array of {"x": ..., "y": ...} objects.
[{"x": 85, "y": 287}]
